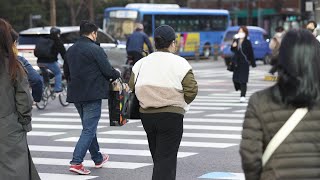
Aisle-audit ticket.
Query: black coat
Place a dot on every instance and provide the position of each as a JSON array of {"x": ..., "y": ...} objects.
[
  {"x": 88, "y": 71},
  {"x": 243, "y": 58}
]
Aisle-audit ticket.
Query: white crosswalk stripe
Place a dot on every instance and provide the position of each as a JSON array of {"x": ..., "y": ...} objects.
[
  {"x": 50, "y": 176},
  {"x": 145, "y": 142},
  {"x": 128, "y": 152},
  {"x": 87, "y": 163},
  {"x": 199, "y": 135}
]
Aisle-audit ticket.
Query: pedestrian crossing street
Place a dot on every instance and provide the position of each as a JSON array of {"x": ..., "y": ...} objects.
[{"x": 214, "y": 121}]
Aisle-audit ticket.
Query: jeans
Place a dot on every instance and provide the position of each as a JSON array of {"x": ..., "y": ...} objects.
[
  {"x": 164, "y": 132},
  {"x": 54, "y": 67},
  {"x": 90, "y": 113}
]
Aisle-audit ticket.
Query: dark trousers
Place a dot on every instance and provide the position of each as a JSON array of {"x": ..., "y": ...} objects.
[
  {"x": 164, "y": 132},
  {"x": 134, "y": 56},
  {"x": 242, "y": 87}
]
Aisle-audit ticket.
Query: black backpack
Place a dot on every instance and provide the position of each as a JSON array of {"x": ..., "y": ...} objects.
[{"x": 44, "y": 48}]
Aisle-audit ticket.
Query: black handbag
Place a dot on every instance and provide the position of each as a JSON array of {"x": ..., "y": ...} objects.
[
  {"x": 230, "y": 66},
  {"x": 133, "y": 106}
]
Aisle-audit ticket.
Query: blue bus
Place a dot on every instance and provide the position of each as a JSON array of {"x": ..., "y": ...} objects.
[{"x": 199, "y": 31}]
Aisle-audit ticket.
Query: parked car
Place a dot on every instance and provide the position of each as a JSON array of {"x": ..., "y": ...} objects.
[
  {"x": 259, "y": 40},
  {"x": 28, "y": 38}
]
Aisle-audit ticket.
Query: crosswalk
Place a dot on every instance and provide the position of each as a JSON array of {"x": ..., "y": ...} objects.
[{"x": 214, "y": 122}]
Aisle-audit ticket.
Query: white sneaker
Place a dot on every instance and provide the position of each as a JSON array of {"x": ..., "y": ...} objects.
[{"x": 242, "y": 99}]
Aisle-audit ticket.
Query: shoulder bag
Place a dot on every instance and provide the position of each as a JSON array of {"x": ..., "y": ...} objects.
[
  {"x": 283, "y": 133},
  {"x": 132, "y": 109}
]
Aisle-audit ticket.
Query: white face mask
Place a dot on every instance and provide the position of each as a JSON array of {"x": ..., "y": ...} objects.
[{"x": 241, "y": 35}]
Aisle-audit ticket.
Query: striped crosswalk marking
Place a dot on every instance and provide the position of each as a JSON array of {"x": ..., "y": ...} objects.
[
  {"x": 127, "y": 152},
  {"x": 193, "y": 135},
  {"x": 208, "y": 108},
  {"x": 205, "y": 127},
  {"x": 87, "y": 163},
  {"x": 226, "y": 115},
  {"x": 58, "y": 126},
  {"x": 213, "y": 120},
  {"x": 68, "y": 114},
  {"x": 41, "y": 133},
  {"x": 145, "y": 142},
  {"x": 219, "y": 104},
  {"x": 50, "y": 176}
]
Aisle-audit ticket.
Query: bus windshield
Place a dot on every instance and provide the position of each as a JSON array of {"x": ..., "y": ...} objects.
[
  {"x": 120, "y": 23},
  {"x": 120, "y": 28}
]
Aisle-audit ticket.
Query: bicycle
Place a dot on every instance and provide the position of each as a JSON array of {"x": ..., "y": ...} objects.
[{"x": 48, "y": 91}]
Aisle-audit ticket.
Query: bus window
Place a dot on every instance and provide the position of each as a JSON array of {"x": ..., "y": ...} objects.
[
  {"x": 195, "y": 23},
  {"x": 147, "y": 23}
]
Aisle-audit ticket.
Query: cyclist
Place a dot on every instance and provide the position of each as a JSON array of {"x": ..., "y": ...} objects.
[
  {"x": 50, "y": 61},
  {"x": 135, "y": 44}
]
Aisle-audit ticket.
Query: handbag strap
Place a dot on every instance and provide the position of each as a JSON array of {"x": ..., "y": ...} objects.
[
  {"x": 283, "y": 133},
  {"x": 137, "y": 75}
]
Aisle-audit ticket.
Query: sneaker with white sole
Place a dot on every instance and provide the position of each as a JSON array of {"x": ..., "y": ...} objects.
[
  {"x": 104, "y": 160},
  {"x": 79, "y": 168},
  {"x": 242, "y": 99}
]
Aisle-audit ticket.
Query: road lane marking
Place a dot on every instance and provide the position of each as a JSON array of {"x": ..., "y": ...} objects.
[
  {"x": 58, "y": 126},
  {"x": 50, "y": 176},
  {"x": 219, "y": 104},
  {"x": 209, "y": 108},
  {"x": 127, "y": 152},
  {"x": 223, "y": 175},
  {"x": 226, "y": 115},
  {"x": 192, "y": 135},
  {"x": 214, "y": 120},
  {"x": 89, "y": 163},
  {"x": 145, "y": 142},
  {"x": 68, "y": 114},
  {"x": 205, "y": 127},
  {"x": 40, "y": 133}
]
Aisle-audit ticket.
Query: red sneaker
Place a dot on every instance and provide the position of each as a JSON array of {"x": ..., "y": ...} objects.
[
  {"x": 79, "y": 168},
  {"x": 104, "y": 160}
]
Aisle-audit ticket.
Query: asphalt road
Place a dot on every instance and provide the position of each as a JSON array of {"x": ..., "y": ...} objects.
[{"x": 209, "y": 148}]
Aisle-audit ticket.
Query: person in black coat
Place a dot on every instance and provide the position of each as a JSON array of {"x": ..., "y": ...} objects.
[
  {"x": 243, "y": 58},
  {"x": 88, "y": 73}
]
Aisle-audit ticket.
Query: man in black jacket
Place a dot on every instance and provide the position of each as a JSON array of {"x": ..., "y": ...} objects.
[
  {"x": 50, "y": 61},
  {"x": 89, "y": 73}
]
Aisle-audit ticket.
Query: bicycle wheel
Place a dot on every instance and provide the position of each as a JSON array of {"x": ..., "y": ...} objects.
[
  {"x": 63, "y": 96},
  {"x": 44, "y": 100}
]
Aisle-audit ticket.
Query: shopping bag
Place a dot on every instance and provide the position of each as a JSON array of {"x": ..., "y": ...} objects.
[{"x": 118, "y": 99}]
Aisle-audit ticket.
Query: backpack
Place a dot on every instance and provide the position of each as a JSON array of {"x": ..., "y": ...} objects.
[{"x": 44, "y": 48}]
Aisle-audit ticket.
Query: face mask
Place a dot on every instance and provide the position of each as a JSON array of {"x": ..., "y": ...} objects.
[{"x": 241, "y": 35}]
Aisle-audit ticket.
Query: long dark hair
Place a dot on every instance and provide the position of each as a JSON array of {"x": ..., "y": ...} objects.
[
  {"x": 299, "y": 69},
  {"x": 6, "y": 49},
  {"x": 245, "y": 30}
]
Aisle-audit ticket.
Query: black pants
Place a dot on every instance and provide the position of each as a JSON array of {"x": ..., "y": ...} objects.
[
  {"x": 242, "y": 87},
  {"x": 135, "y": 56},
  {"x": 164, "y": 132}
]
